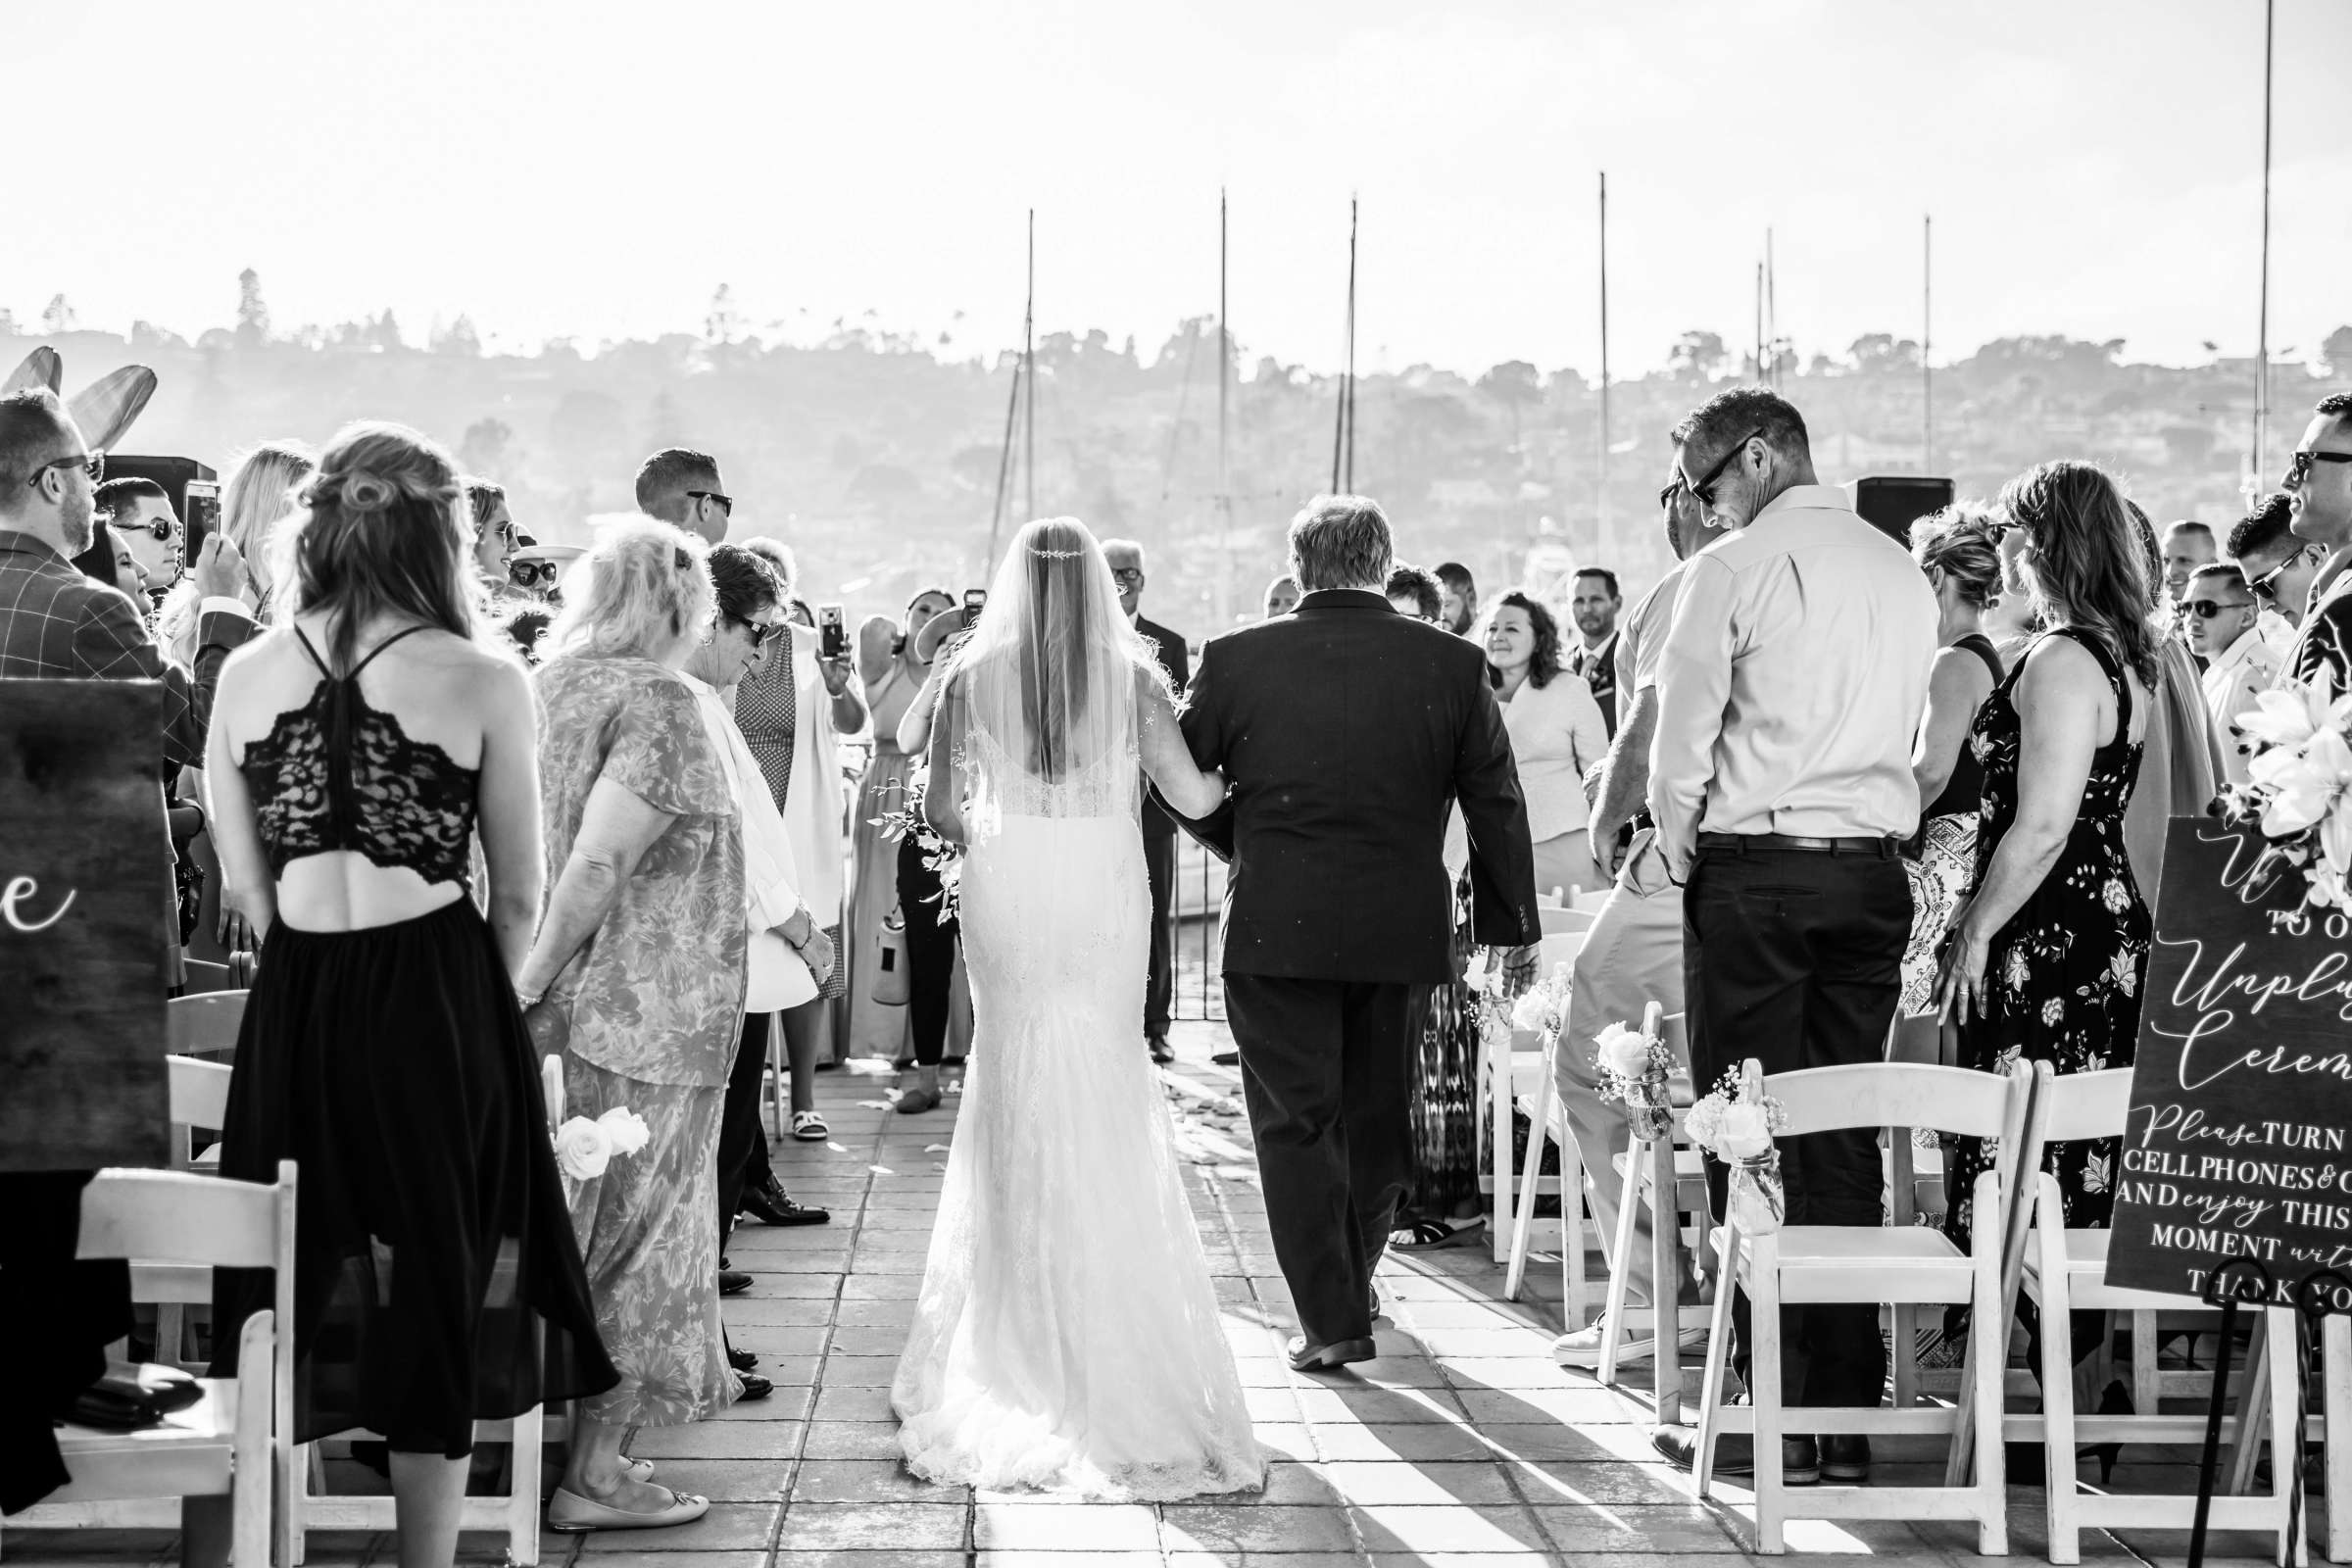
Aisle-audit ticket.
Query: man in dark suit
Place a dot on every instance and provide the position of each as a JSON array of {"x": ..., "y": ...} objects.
[
  {"x": 1126, "y": 558},
  {"x": 1347, "y": 731}
]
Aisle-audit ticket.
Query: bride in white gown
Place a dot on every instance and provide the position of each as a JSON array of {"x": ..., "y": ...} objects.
[{"x": 1067, "y": 1335}]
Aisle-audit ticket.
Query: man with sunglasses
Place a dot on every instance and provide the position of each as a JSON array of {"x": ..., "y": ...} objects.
[
  {"x": 141, "y": 511},
  {"x": 55, "y": 622},
  {"x": 681, "y": 485},
  {"x": 1791, "y": 683},
  {"x": 2278, "y": 567},
  {"x": 2218, "y": 613},
  {"x": 2319, "y": 479}
]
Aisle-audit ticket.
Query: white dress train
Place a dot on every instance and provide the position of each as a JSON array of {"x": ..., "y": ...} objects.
[{"x": 1067, "y": 1337}]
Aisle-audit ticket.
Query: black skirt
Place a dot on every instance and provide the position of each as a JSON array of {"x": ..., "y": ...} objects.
[{"x": 437, "y": 1280}]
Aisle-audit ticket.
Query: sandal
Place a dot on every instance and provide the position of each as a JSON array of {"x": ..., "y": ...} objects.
[
  {"x": 810, "y": 1127},
  {"x": 1429, "y": 1234}
]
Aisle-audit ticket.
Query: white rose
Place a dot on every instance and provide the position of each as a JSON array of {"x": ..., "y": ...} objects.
[
  {"x": 626, "y": 1129},
  {"x": 1745, "y": 1131},
  {"x": 1623, "y": 1050},
  {"x": 1531, "y": 1010},
  {"x": 583, "y": 1148}
]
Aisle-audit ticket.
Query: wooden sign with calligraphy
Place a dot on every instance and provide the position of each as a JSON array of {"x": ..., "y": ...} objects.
[
  {"x": 2239, "y": 1142},
  {"x": 86, "y": 898}
]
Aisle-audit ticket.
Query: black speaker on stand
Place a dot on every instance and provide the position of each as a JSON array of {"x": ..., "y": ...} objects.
[
  {"x": 173, "y": 474},
  {"x": 1891, "y": 502}
]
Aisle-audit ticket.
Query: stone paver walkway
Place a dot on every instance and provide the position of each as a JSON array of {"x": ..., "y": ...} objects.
[{"x": 1461, "y": 1446}]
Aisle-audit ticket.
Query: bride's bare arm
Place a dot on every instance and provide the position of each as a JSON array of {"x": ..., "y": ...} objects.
[{"x": 1169, "y": 762}]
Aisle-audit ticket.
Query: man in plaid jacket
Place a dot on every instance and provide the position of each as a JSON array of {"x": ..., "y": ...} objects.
[{"x": 56, "y": 622}]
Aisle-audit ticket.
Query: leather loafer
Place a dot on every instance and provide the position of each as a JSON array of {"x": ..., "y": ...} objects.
[
  {"x": 1845, "y": 1459},
  {"x": 1226, "y": 1059},
  {"x": 754, "y": 1386},
  {"x": 731, "y": 1283},
  {"x": 742, "y": 1361},
  {"x": 1162, "y": 1052},
  {"x": 1305, "y": 1357},
  {"x": 770, "y": 1204},
  {"x": 1736, "y": 1454}
]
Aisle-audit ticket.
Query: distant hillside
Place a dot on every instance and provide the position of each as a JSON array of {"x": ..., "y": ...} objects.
[{"x": 879, "y": 462}]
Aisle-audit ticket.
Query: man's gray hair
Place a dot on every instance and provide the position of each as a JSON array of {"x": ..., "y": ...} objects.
[{"x": 1341, "y": 542}]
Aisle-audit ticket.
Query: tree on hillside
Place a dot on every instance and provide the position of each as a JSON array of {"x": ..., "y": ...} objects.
[
  {"x": 483, "y": 450},
  {"x": 722, "y": 325},
  {"x": 1696, "y": 356},
  {"x": 1514, "y": 384},
  {"x": 253, "y": 313},
  {"x": 58, "y": 317},
  {"x": 384, "y": 332},
  {"x": 2337, "y": 351},
  {"x": 458, "y": 338},
  {"x": 1879, "y": 352}
]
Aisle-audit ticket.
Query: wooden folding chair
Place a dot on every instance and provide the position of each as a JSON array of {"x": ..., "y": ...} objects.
[
  {"x": 2065, "y": 1272},
  {"x": 1650, "y": 1166},
  {"x": 1874, "y": 1264},
  {"x": 235, "y": 1442}
]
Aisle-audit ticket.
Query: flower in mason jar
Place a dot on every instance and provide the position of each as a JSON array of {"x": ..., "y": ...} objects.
[
  {"x": 1622, "y": 1050},
  {"x": 1532, "y": 1011},
  {"x": 583, "y": 1148},
  {"x": 1744, "y": 1130}
]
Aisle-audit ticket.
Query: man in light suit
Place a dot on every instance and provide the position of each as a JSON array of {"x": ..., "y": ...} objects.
[{"x": 1126, "y": 558}]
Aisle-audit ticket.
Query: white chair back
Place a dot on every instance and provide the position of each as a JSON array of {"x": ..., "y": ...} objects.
[
  {"x": 174, "y": 1216},
  {"x": 1588, "y": 903},
  {"x": 1560, "y": 922},
  {"x": 1562, "y": 949},
  {"x": 204, "y": 1023},
  {"x": 199, "y": 1094},
  {"x": 1894, "y": 1094},
  {"x": 2089, "y": 1104}
]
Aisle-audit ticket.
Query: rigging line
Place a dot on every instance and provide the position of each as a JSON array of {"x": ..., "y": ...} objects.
[
  {"x": 995, "y": 513},
  {"x": 1029, "y": 360}
]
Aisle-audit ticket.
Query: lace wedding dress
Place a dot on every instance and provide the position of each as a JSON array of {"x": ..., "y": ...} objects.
[{"x": 1067, "y": 1335}]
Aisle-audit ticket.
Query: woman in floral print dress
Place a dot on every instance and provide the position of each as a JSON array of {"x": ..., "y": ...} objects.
[{"x": 2045, "y": 962}]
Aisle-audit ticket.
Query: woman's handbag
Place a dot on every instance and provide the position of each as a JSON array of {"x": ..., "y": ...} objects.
[
  {"x": 777, "y": 976},
  {"x": 893, "y": 986}
]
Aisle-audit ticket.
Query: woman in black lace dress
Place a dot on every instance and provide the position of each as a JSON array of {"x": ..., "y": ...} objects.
[
  {"x": 2046, "y": 958},
  {"x": 354, "y": 752}
]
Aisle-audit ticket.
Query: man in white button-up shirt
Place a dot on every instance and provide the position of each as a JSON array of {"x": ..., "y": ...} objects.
[
  {"x": 2240, "y": 662},
  {"x": 1792, "y": 682}
]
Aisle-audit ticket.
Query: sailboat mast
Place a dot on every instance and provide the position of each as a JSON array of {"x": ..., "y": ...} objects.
[
  {"x": 2261, "y": 343},
  {"x": 1029, "y": 369},
  {"x": 1927, "y": 342},
  {"x": 1771, "y": 313},
  {"x": 1600, "y": 525},
  {"x": 1342, "y": 433}
]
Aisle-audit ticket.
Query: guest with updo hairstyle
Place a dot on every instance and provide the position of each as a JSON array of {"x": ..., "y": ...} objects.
[
  {"x": 637, "y": 977},
  {"x": 357, "y": 749},
  {"x": 1959, "y": 549}
]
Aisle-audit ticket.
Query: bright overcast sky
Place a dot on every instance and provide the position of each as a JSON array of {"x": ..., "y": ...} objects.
[{"x": 593, "y": 170}]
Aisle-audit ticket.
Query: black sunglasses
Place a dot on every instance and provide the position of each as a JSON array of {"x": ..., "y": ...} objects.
[
  {"x": 1667, "y": 495},
  {"x": 531, "y": 574},
  {"x": 92, "y": 464},
  {"x": 2298, "y": 468},
  {"x": 759, "y": 633},
  {"x": 2266, "y": 586},
  {"x": 726, "y": 503},
  {"x": 159, "y": 528},
  {"x": 1703, "y": 490},
  {"x": 2207, "y": 609}
]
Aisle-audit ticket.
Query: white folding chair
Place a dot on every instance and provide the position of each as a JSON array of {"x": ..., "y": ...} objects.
[
  {"x": 513, "y": 1513},
  {"x": 237, "y": 1441},
  {"x": 1874, "y": 1264},
  {"x": 205, "y": 1024},
  {"x": 1533, "y": 1092},
  {"x": 198, "y": 1027},
  {"x": 1511, "y": 1068},
  {"x": 1561, "y": 922},
  {"x": 2066, "y": 1271},
  {"x": 1650, "y": 1166}
]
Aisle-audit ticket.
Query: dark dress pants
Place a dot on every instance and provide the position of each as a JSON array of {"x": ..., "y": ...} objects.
[
  {"x": 1795, "y": 958},
  {"x": 1325, "y": 1072},
  {"x": 1160, "y": 866},
  {"x": 742, "y": 1146},
  {"x": 930, "y": 954}
]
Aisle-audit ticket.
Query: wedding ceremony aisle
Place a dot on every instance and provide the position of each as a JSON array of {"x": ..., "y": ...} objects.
[{"x": 1461, "y": 1445}]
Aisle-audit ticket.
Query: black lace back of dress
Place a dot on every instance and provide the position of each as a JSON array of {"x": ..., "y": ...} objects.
[{"x": 338, "y": 774}]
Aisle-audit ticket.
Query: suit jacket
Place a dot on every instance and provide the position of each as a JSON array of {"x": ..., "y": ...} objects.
[
  {"x": 1177, "y": 661},
  {"x": 1599, "y": 669},
  {"x": 1347, "y": 732},
  {"x": 56, "y": 622}
]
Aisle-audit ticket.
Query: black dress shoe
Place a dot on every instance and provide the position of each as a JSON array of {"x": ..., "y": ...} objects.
[
  {"x": 770, "y": 1204},
  {"x": 754, "y": 1386},
  {"x": 740, "y": 1360},
  {"x": 1845, "y": 1459},
  {"x": 1226, "y": 1059},
  {"x": 1162, "y": 1052},
  {"x": 731, "y": 1283},
  {"x": 1736, "y": 1454}
]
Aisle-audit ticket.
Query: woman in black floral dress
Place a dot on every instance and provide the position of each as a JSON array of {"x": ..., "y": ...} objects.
[{"x": 2045, "y": 962}]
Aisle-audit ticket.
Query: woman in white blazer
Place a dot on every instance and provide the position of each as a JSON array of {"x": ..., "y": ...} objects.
[{"x": 1558, "y": 736}]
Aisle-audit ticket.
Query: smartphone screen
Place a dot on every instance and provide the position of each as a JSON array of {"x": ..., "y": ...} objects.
[
  {"x": 974, "y": 601},
  {"x": 202, "y": 519},
  {"x": 833, "y": 640}
]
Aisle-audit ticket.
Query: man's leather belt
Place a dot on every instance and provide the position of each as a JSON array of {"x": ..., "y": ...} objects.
[{"x": 1883, "y": 849}]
